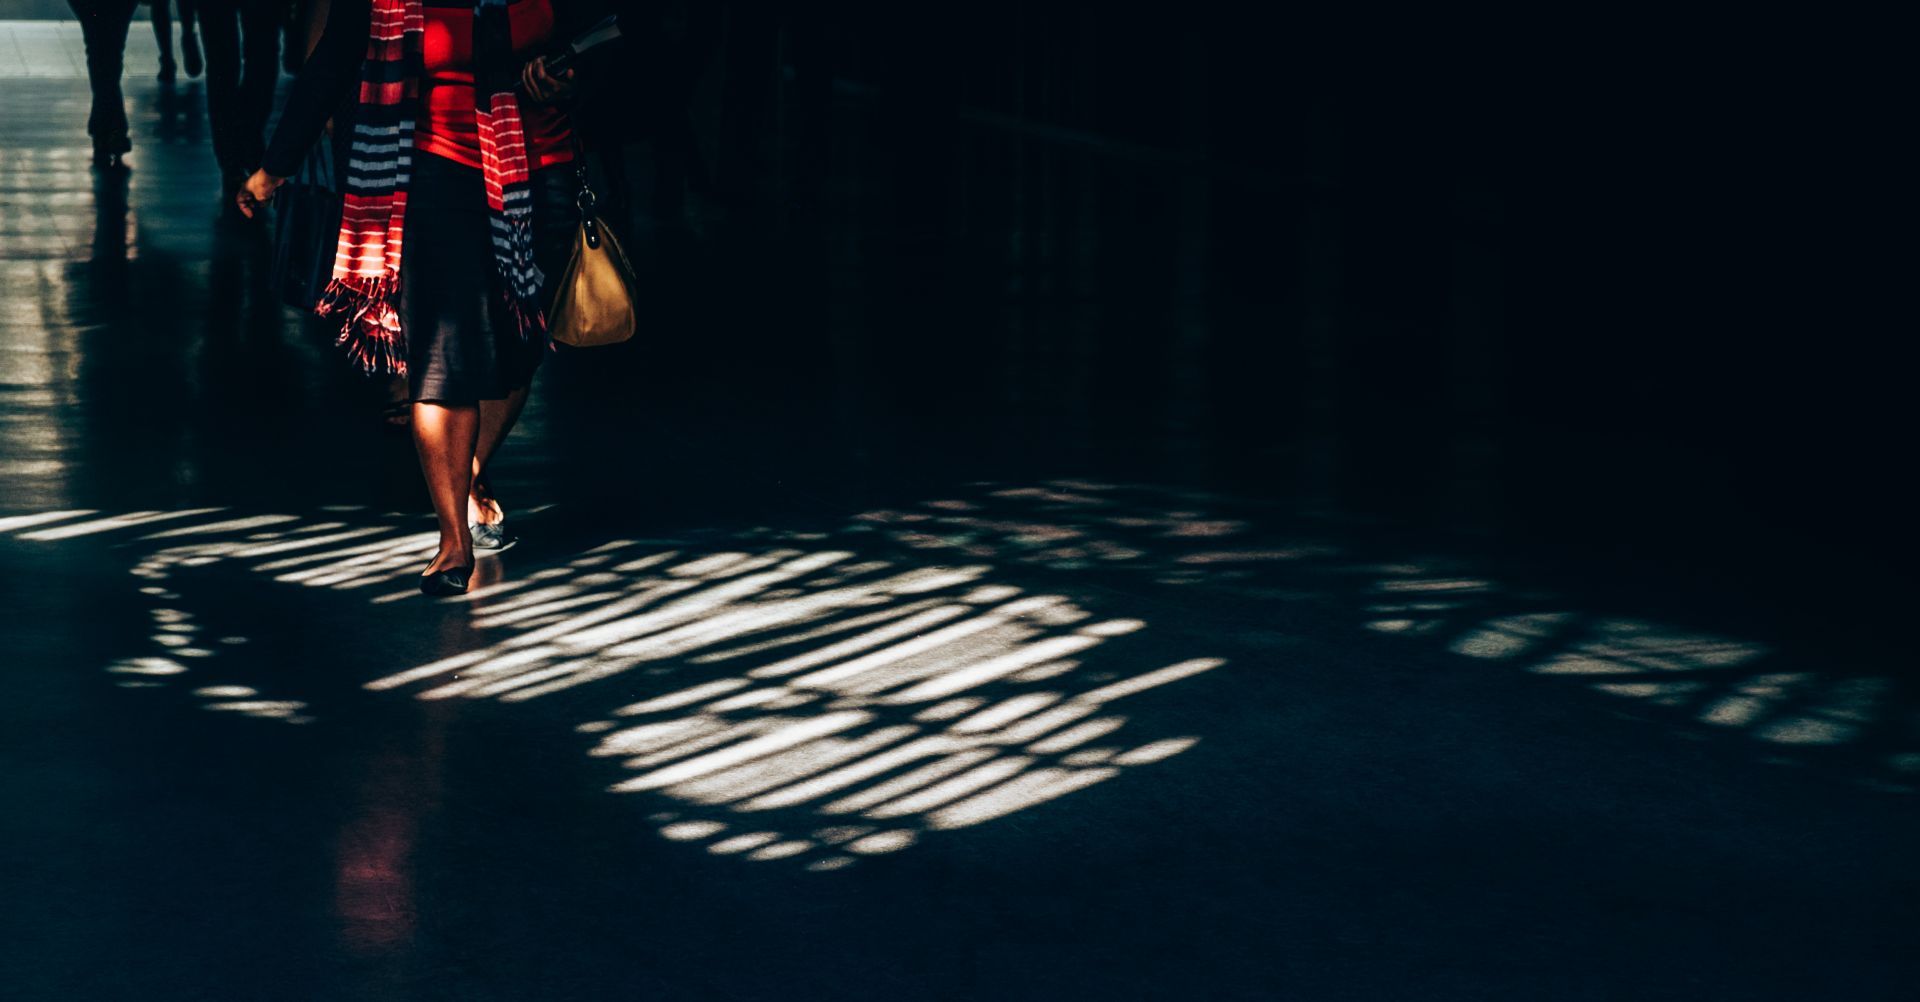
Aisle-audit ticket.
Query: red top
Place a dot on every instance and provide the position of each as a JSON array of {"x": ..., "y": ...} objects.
[{"x": 450, "y": 130}]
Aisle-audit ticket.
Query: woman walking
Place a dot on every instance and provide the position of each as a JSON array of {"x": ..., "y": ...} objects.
[{"x": 458, "y": 206}]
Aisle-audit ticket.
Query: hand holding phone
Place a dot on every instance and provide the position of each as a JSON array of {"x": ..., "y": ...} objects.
[
  {"x": 544, "y": 85},
  {"x": 551, "y": 76}
]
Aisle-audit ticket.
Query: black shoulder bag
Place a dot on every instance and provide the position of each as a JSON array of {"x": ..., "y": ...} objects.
[{"x": 306, "y": 229}]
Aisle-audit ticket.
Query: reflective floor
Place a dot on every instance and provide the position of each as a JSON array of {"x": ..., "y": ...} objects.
[{"x": 818, "y": 672}]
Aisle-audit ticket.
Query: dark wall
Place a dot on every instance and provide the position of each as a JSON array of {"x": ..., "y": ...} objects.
[{"x": 1611, "y": 276}]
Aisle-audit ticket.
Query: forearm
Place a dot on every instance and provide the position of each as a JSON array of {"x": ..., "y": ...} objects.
[{"x": 326, "y": 81}]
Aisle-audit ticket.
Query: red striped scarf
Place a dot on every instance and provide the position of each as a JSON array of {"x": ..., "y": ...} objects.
[{"x": 364, "y": 292}]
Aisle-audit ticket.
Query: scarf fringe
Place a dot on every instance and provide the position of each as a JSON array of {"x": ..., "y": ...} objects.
[
  {"x": 528, "y": 318},
  {"x": 370, "y": 329},
  {"x": 370, "y": 240},
  {"x": 515, "y": 270}
]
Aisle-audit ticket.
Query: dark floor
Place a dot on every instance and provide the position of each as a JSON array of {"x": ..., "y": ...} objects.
[{"x": 822, "y": 672}]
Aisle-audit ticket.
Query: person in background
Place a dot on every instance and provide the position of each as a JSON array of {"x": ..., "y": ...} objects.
[
  {"x": 443, "y": 262},
  {"x": 103, "y": 29},
  {"x": 242, "y": 40},
  {"x": 163, "y": 34}
]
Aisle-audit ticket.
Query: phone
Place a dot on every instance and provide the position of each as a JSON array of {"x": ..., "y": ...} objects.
[{"x": 605, "y": 30}]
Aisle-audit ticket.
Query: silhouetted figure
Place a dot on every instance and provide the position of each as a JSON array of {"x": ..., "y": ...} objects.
[
  {"x": 163, "y": 35},
  {"x": 103, "y": 27},
  {"x": 242, "y": 39}
]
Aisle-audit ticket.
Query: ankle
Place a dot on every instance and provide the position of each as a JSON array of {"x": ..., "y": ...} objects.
[{"x": 483, "y": 509}]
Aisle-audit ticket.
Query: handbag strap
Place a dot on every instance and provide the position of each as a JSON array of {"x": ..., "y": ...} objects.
[
  {"x": 584, "y": 198},
  {"x": 317, "y": 169}
]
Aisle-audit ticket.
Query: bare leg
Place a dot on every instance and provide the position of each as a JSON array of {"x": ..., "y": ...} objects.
[
  {"x": 497, "y": 418},
  {"x": 445, "y": 437}
]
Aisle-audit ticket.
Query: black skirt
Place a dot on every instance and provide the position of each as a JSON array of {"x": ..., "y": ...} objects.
[{"x": 462, "y": 347}]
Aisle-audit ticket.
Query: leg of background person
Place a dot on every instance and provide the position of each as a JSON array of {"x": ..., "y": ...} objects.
[
  {"x": 220, "y": 34},
  {"x": 162, "y": 11},
  {"x": 189, "y": 39},
  {"x": 103, "y": 28},
  {"x": 445, "y": 438},
  {"x": 261, "y": 21}
]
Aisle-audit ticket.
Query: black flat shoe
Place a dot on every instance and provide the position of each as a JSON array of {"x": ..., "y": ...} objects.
[
  {"x": 108, "y": 151},
  {"x": 190, "y": 52},
  {"x": 452, "y": 581}
]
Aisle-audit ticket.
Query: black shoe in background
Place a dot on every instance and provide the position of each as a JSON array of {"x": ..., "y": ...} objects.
[
  {"x": 190, "y": 52},
  {"x": 109, "y": 151}
]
